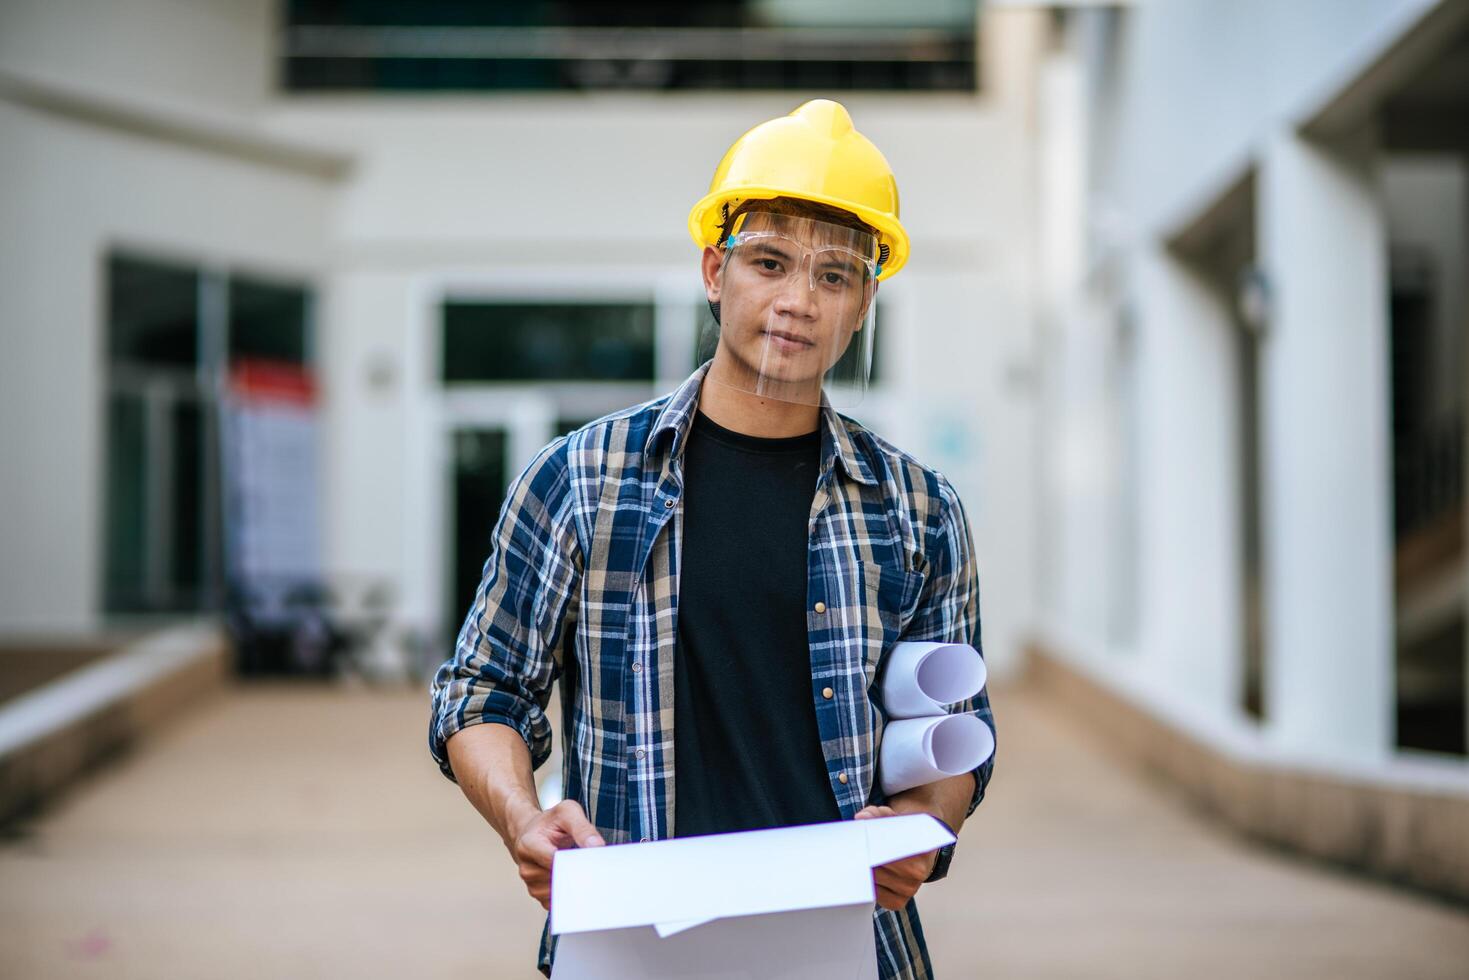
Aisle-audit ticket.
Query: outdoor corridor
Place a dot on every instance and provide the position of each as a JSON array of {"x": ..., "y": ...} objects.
[{"x": 291, "y": 831}]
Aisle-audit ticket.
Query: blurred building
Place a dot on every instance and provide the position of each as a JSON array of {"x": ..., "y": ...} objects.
[
  {"x": 454, "y": 230},
  {"x": 289, "y": 292},
  {"x": 1253, "y": 307}
]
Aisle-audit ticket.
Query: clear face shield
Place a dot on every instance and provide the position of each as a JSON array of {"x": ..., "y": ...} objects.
[{"x": 795, "y": 310}]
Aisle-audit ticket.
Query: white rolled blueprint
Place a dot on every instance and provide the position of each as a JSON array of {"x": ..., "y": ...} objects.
[
  {"x": 922, "y": 679},
  {"x": 915, "y": 751}
]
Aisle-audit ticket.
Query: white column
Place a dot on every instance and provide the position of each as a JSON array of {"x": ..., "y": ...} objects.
[
  {"x": 1188, "y": 481},
  {"x": 1327, "y": 479}
]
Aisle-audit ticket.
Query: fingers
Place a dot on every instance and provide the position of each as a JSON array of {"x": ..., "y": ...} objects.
[
  {"x": 868, "y": 812},
  {"x": 895, "y": 884},
  {"x": 891, "y": 900},
  {"x": 538, "y": 884},
  {"x": 535, "y": 848},
  {"x": 894, "y": 898},
  {"x": 572, "y": 819},
  {"x": 915, "y": 868},
  {"x": 898, "y": 881},
  {"x": 564, "y": 825},
  {"x": 533, "y": 863}
]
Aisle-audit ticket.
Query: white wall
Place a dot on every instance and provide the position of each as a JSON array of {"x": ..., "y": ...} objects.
[
  {"x": 69, "y": 190},
  {"x": 213, "y": 53}
]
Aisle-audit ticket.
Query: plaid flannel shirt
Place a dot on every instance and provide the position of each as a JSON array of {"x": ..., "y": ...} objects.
[{"x": 582, "y": 584}]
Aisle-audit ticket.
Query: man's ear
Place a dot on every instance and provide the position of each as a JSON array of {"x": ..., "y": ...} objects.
[{"x": 709, "y": 265}]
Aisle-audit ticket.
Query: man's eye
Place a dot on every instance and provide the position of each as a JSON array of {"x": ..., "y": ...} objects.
[
  {"x": 769, "y": 265},
  {"x": 834, "y": 279}
]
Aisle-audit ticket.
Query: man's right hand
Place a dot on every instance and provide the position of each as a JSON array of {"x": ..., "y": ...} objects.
[
  {"x": 492, "y": 766},
  {"x": 536, "y": 842}
]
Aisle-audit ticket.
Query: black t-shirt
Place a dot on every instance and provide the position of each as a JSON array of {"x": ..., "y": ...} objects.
[{"x": 747, "y": 753}]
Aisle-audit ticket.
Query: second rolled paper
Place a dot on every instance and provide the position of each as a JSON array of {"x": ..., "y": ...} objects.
[{"x": 916, "y": 751}]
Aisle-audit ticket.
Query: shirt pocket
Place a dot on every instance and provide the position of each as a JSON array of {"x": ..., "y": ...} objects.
[{"x": 891, "y": 597}]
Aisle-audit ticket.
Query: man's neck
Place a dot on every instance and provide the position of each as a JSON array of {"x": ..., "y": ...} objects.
[{"x": 766, "y": 418}]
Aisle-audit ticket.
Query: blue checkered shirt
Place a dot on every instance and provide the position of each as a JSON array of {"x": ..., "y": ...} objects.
[{"x": 582, "y": 585}]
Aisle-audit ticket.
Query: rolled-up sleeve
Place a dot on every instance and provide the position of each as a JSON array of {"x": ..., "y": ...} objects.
[
  {"x": 948, "y": 610},
  {"x": 508, "y": 651}
]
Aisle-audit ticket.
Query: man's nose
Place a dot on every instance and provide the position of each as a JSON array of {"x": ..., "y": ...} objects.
[{"x": 797, "y": 296}]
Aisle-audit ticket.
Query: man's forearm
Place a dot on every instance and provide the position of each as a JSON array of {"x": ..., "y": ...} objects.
[
  {"x": 948, "y": 799},
  {"x": 492, "y": 766}
]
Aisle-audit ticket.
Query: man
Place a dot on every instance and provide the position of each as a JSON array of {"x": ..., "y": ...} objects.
[{"x": 717, "y": 575}]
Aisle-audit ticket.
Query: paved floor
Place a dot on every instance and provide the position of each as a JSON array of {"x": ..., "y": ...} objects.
[{"x": 295, "y": 832}]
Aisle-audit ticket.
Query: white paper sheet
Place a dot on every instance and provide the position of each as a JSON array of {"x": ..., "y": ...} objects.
[
  {"x": 924, "y": 750},
  {"x": 720, "y": 875},
  {"x": 922, "y": 679},
  {"x": 892, "y": 838},
  {"x": 666, "y": 929},
  {"x": 683, "y": 907},
  {"x": 819, "y": 944}
]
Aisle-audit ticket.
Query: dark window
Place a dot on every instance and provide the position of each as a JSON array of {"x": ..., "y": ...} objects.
[
  {"x": 496, "y": 342},
  {"x": 563, "y": 426},
  {"x": 162, "y": 504},
  {"x": 479, "y": 491},
  {"x": 153, "y": 314},
  {"x": 157, "y": 530},
  {"x": 637, "y": 44},
  {"x": 1430, "y": 685},
  {"x": 125, "y": 585},
  {"x": 1428, "y": 508},
  {"x": 267, "y": 322},
  {"x": 187, "y": 483}
]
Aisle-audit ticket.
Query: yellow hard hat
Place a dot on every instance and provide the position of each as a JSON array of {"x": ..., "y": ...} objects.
[{"x": 813, "y": 154}]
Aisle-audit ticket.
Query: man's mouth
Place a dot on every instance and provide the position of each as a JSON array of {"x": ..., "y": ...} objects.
[{"x": 782, "y": 340}]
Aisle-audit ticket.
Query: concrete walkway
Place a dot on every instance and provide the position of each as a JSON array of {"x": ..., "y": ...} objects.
[{"x": 298, "y": 832}]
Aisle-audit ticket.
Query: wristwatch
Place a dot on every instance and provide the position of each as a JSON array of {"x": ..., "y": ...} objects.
[
  {"x": 942, "y": 862},
  {"x": 945, "y": 856}
]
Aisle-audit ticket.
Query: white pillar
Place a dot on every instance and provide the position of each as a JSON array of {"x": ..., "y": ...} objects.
[
  {"x": 1191, "y": 629},
  {"x": 1327, "y": 480}
]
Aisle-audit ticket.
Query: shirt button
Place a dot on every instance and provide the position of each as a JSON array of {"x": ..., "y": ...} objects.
[
  {"x": 842, "y": 778},
  {"x": 827, "y": 692},
  {"x": 636, "y": 666},
  {"x": 640, "y": 753},
  {"x": 668, "y": 502},
  {"x": 820, "y": 607}
]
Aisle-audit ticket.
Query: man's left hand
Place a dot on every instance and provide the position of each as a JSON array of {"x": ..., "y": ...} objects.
[{"x": 898, "y": 881}]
